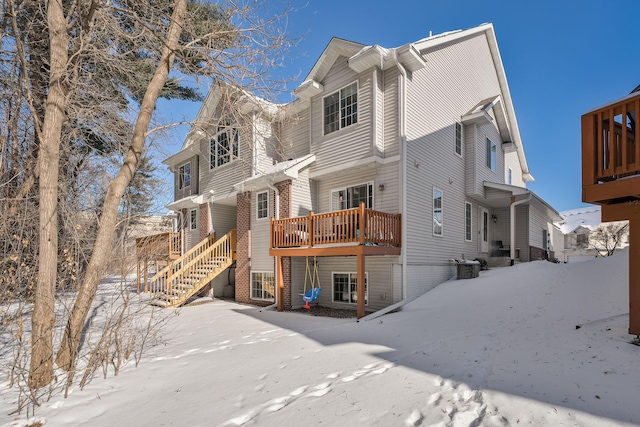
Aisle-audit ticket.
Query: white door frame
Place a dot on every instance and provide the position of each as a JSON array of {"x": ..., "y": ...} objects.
[{"x": 483, "y": 227}]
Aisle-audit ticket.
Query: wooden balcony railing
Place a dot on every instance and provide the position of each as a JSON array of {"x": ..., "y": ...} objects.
[
  {"x": 159, "y": 245},
  {"x": 611, "y": 152},
  {"x": 359, "y": 225}
]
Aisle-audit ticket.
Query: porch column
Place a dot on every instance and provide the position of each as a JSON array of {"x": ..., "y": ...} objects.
[{"x": 360, "y": 289}]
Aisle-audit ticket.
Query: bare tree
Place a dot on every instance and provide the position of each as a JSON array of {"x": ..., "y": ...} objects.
[
  {"x": 607, "y": 238},
  {"x": 76, "y": 69}
]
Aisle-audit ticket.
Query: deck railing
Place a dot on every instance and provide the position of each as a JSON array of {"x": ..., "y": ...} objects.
[
  {"x": 610, "y": 148},
  {"x": 358, "y": 225},
  {"x": 163, "y": 244}
]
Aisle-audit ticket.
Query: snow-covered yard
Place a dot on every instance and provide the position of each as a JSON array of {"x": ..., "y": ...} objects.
[{"x": 536, "y": 344}]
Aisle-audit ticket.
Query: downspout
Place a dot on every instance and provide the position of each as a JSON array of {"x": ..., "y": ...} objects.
[
  {"x": 275, "y": 270},
  {"x": 403, "y": 166},
  {"x": 512, "y": 231}
]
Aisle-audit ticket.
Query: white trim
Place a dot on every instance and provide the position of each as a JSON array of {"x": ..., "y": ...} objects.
[
  {"x": 339, "y": 92},
  {"x": 433, "y": 210},
  {"x": 179, "y": 175},
  {"x": 455, "y": 138},
  {"x": 214, "y": 139},
  {"x": 491, "y": 153},
  {"x": 251, "y": 273},
  {"x": 191, "y": 221},
  {"x": 345, "y": 188},
  {"x": 366, "y": 290},
  {"x": 258, "y": 217},
  {"x": 466, "y": 203}
]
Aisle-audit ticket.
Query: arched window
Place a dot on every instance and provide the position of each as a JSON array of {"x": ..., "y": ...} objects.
[{"x": 224, "y": 145}]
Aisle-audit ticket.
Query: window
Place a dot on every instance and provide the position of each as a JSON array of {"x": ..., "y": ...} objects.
[
  {"x": 437, "y": 212},
  {"x": 510, "y": 176},
  {"x": 184, "y": 176},
  {"x": 223, "y": 147},
  {"x": 340, "y": 109},
  {"x": 262, "y": 205},
  {"x": 262, "y": 285},
  {"x": 345, "y": 288},
  {"x": 193, "y": 219},
  {"x": 458, "y": 139},
  {"x": 351, "y": 197},
  {"x": 491, "y": 155},
  {"x": 467, "y": 221}
]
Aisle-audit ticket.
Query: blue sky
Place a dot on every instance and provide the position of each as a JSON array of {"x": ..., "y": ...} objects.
[{"x": 562, "y": 58}]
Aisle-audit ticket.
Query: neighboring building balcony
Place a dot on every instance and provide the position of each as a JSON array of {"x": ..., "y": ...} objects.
[
  {"x": 611, "y": 152},
  {"x": 346, "y": 232},
  {"x": 159, "y": 246}
]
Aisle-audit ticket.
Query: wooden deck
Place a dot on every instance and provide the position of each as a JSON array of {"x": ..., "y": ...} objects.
[
  {"x": 611, "y": 153},
  {"x": 611, "y": 178},
  {"x": 358, "y": 232},
  {"x": 346, "y": 232},
  {"x": 159, "y": 245}
]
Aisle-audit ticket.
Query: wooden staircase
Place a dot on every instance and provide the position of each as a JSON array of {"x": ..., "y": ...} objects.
[{"x": 187, "y": 275}]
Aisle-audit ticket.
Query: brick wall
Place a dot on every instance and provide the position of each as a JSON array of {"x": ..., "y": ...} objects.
[
  {"x": 285, "y": 212},
  {"x": 243, "y": 263}
]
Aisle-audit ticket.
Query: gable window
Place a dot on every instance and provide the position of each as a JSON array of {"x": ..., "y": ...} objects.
[
  {"x": 184, "y": 176},
  {"x": 262, "y": 205},
  {"x": 491, "y": 155},
  {"x": 193, "y": 219},
  {"x": 340, "y": 109},
  {"x": 223, "y": 147},
  {"x": 351, "y": 197},
  {"x": 437, "y": 212},
  {"x": 467, "y": 221},
  {"x": 345, "y": 288},
  {"x": 510, "y": 176},
  {"x": 458, "y": 139},
  {"x": 262, "y": 285}
]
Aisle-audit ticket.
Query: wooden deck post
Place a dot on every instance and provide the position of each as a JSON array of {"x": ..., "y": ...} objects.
[
  {"x": 634, "y": 276},
  {"x": 360, "y": 288},
  {"x": 280, "y": 284},
  {"x": 146, "y": 275},
  {"x": 361, "y": 222},
  {"x": 630, "y": 212},
  {"x": 312, "y": 232}
]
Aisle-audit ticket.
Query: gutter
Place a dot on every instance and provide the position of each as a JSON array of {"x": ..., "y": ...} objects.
[
  {"x": 512, "y": 229},
  {"x": 403, "y": 165}
]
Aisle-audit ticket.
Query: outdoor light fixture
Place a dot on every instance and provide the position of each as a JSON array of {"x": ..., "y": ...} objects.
[{"x": 494, "y": 218}]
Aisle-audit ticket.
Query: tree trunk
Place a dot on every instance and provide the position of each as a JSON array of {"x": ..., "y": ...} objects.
[
  {"x": 43, "y": 317},
  {"x": 69, "y": 346}
]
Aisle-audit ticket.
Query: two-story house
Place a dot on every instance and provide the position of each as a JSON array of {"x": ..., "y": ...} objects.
[{"x": 409, "y": 158}]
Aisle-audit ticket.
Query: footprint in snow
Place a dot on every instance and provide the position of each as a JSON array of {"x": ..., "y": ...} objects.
[{"x": 415, "y": 419}]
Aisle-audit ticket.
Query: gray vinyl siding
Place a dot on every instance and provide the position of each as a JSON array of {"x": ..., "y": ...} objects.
[
  {"x": 191, "y": 190},
  {"x": 537, "y": 223},
  {"x": 522, "y": 231},
  {"x": 223, "y": 218},
  {"x": 352, "y": 142},
  {"x": 260, "y": 259},
  {"x": 380, "y": 270},
  {"x": 266, "y": 149},
  {"x": 221, "y": 179},
  {"x": 192, "y": 237},
  {"x": 470, "y": 155},
  {"x": 387, "y": 200},
  {"x": 511, "y": 161},
  {"x": 391, "y": 117},
  {"x": 303, "y": 195},
  {"x": 456, "y": 77},
  {"x": 484, "y": 173},
  {"x": 295, "y": 135},
  {"x": 502, "y": 227}
]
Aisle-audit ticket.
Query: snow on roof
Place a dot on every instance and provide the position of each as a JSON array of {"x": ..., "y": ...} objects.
[{"x": 589, "y": 217}]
